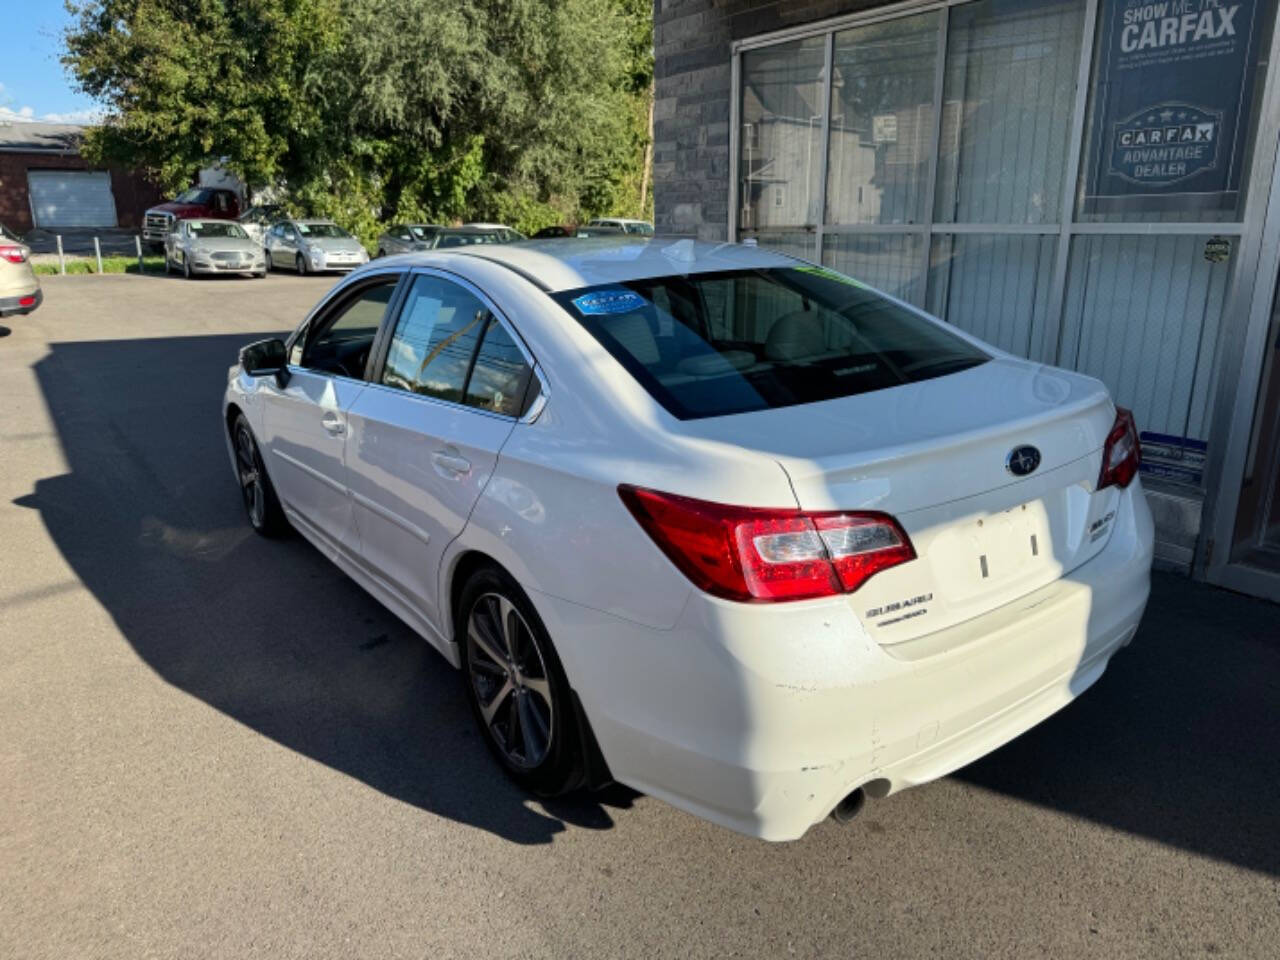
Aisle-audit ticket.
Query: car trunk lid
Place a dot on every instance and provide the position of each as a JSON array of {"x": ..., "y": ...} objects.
[{"x": 936, "y": 455}]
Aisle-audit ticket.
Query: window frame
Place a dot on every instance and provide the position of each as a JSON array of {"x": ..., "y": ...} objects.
[{"x": 382, "y": 346}]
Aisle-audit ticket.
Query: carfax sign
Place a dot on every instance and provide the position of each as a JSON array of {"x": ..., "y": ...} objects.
[{"x": 1170, "y": 117}]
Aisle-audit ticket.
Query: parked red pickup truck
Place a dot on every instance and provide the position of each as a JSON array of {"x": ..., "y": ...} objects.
[{"x": 214, "y": 203}]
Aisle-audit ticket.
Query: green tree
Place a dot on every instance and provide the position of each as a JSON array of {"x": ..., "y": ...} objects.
[
  {"x": 527, "y": 111},
  {"x": 186, "y": 82}
]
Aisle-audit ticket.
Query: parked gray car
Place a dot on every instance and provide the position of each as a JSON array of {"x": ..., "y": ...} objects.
[
  {"x": 212, "y": 246},
  {"x": 313, "y": 246},
  {"x": 407, "y": 238}
]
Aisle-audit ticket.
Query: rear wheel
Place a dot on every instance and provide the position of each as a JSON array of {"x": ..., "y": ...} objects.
[
  {"x": 516, "y": 686},
  {"x": 266, "y": 516}
]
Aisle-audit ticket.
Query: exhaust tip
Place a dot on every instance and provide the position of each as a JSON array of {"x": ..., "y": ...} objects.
[{"x": 849, "y": 807}]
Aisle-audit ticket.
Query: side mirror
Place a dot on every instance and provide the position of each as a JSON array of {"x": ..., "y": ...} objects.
[{"x": 265, "y": 358}]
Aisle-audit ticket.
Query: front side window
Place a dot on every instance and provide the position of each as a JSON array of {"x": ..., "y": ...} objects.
[
  {"x": 435, "y": 338},
  {"x": 341, "y": 341},
  {"x": 730, "y": 342}
]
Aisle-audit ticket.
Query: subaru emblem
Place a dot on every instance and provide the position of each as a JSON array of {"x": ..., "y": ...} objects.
[{"x": 1022, "y": 460}]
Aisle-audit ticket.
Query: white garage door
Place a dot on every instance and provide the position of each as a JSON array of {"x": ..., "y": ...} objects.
[{"x": 71, "y": 198}]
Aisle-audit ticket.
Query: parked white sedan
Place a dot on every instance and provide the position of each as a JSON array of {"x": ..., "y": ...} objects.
[{"x": 729, "y": 528}]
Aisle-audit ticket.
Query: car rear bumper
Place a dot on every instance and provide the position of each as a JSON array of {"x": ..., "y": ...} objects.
[
  {"x": 762, "y": 718},
  {"x": 21, "y": 304}
]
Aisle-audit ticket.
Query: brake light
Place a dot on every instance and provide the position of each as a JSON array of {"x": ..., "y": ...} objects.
[
  {"x": 1122, "y": 452},
  {"x": 753, "y": 554},
  {"x": 13, "y": 254},
  {"x": 27, "y": 301}
]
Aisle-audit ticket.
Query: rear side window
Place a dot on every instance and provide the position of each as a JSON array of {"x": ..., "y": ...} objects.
[
  {"x": 713, "y": 344},
  {"x": 499, "y": 379}
]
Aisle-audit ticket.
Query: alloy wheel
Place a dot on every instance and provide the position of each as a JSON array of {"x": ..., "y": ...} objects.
[
  {"x": 248, "y": 466},
  {"x": 508, "y": 673}
]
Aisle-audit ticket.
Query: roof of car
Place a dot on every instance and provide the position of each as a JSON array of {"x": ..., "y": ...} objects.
[{"x": 570, "y": 263}]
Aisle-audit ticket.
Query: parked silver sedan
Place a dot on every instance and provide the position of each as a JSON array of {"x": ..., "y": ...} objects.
[
  {"x": 212, "y": 246},
  {"x": 313, "y": 246},
  {"x": 407, "y": 238}
]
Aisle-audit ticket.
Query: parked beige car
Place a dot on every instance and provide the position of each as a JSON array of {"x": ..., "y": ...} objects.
[{"x": 19, "y": 289}]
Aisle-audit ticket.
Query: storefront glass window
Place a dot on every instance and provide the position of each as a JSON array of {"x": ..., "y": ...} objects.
[
  {"x": 882, "y": 121},
  {"x": 780, "y": 143},
  {"x": 892, "y": 262},
  {"x": 994, "y": 286},
  {"x": 1008, "y": 96},
  {"x": 1142, "y": 315}
]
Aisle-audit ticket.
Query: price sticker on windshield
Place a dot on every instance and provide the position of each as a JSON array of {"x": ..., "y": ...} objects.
[{"x": 605, "y": 302}]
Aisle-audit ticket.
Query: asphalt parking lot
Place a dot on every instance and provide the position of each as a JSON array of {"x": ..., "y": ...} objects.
[{"x": 218, "y": 746}]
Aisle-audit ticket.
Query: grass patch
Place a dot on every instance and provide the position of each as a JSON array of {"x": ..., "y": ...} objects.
[{"x": 126, "y": 264}]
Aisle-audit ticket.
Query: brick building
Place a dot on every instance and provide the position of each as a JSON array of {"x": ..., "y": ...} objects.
[{"x": 45, "y": 183}]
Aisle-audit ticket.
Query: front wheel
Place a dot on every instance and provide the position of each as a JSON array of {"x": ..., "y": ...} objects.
[
  {"x": 516, "y": 685},
  {"x": 300, "y": 264},
  {"x": 266, "y": 516},
  {"x": 186, "y": 268}
]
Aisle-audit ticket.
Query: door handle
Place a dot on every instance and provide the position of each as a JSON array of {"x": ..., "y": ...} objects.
[
  {"x": 331, "y": 423},
  {"x": 449, "y": 460}
]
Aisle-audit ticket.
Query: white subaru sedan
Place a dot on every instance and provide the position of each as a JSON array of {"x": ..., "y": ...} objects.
[{"x": 729, "y": 528}]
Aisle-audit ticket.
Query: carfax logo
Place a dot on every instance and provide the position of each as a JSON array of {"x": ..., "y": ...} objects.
[{"x": 1165, "y": 143}]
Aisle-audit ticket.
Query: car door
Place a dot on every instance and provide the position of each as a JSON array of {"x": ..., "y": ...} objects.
[
  {"x": 451, "y": 383},
  {"x": 305, "y": 420},
  {"x": 171, "y": 243},
  {"x": 272, "y": 241},
  {"x": 283, "y": 248}
]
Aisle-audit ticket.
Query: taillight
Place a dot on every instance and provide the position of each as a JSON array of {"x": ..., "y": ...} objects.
[
  {"x": 13, "y": 254},
  {"x": 749, "y": 553},
  {"x": 1121, "y": 453}
]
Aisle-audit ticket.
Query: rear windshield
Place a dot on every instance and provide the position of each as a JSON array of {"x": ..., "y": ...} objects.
[{"x": 713, "y": 344}]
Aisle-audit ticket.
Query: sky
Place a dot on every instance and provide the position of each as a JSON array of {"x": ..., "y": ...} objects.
[{"x": 32, "y": 83}]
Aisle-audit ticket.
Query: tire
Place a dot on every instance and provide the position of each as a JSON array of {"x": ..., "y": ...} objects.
[
  {"x": 301, "y": 265},
  {"x": 186, "y": 269},
  {"x": 261, "y": 274},
  {"x": 168, "y": 266},
  {"x": 514, "y": 672},
  {"x": 380, "y": 254},
  {"x": 261, "y": 504}
]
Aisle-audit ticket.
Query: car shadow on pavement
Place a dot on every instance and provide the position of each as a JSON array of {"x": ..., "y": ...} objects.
[
  {"x": 267, "y": 632},
  {"x": 1179, "y": 740}
]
